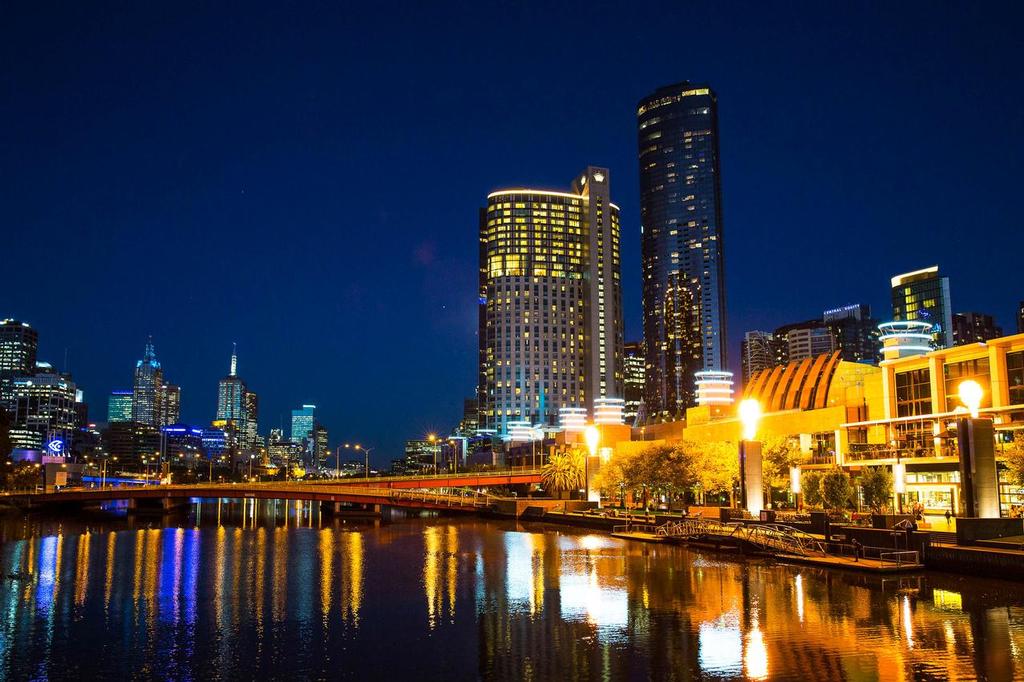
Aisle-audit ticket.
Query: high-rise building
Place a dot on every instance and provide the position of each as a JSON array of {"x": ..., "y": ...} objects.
[
  {"x": 802, "y": 340},
  {"x": 759, "y": 351},
  {"x": 681, "y": 243},
  {"x": 550, "y": 301},
  {"x": 19, "y": 343},
  {"x": 119, "y": 406},
  {"x": 148, "y": 380},
  {"x": 924, "y": 296},
  {"x": 231, "y": 393},
  {"x": 321, "y": 446},
  {"x": 303, "y": 420},
  {"x": 45, "y": 403},
  {"x": 973, "y": 328},
  {"x": 250, "y": 407},
  {"x": 633, "y": 380},
  {"x": 168, "y": 405},
  {"x": 855, "y": 332}
]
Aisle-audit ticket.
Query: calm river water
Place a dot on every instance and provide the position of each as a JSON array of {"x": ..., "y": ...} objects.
[{"x": 272, "y": 590}]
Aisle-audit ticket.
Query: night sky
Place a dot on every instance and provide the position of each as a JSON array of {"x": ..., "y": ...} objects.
[{"x": 304, "y": 179}]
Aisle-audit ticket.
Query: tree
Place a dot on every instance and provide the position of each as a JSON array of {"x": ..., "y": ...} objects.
[
  {"x": 1014, "y": 453},
  {"x": 564, "y": 471},
  {"x": 779, "y": 455},
  {"x": 717, "y": 468},
  {"x": 810, "y": 484},
  {"x": 836, "y": 489},
  {"x": 611, "y": 477},
  {"x": 876, "y": 487}
]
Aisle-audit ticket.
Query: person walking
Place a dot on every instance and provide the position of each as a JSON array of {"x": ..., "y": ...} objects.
[{"x": 949, "y": 515}]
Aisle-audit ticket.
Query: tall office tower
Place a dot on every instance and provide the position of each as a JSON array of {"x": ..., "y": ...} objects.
[
  {"x": 973, "y": 328},
  {"x": 149, "y": 377},
  {"x": 923, "y": 295},
  {"x": 802, "y": 340},
  {"x": 251, "y": 408},
  {"x": 168, "y": 401},
  {"x": 321, "y": 446},
  {"x": 633, "y": 380},
  {"x": 231, "y": 394},
  {"x": 302, "y": 423},
  {"x": 551, "y": 302},
  {"x": 119, "y": 406},
  {"x": 19, "y": 343},
  {"x": 855, "y": 332},
  {"x": 44, "y": 403},
  {"x": 681, "y": 243},
  {"x": 759, "y": 352}
]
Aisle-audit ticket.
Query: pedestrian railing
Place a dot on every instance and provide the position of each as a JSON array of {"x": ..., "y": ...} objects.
[{"x": 899, "y": 558}]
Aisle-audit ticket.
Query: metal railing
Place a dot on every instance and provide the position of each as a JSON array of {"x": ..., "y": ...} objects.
[{"x": 900, "y": 557}]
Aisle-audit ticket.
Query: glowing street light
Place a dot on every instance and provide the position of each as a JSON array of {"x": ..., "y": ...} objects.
[
  {"x": 592, "y": 437},
  {"x": 750, "y": 415},
  {"x": 970, "y": 395}
]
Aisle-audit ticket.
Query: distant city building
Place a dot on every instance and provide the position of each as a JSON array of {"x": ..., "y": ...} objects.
[
  {"x": 759, "y": 351},
  {"x": 119, "y": 406},
  {"x": 44, "y": 403},
  {"x": 321, "y": 446},
  {"x": 550, "y": 301},
  {"x": 303, "y": 420},
  {"x": 168, "y": 405},
  {"x": 470, "y": 422},
  {"x": 633, "y": 366},
  {"x": 148, "y": 380},
  {"x": 855, "y": 332},
  {"x": 802, "y": 340},
  {"x": 421, "y": 455},
  {"x": 924, "y": 295},
  {"x": 974, "y": 328},
  {"x": 215, "y": 442},
  {"x": 681, "y": 244},
  {"x": 129, "y": 442},
  {"x": 19, "y": 344},
  {"x": 251, "y": 409},
  {"x": 183, "y": 444},
  {"x": 231, "y": 395}
]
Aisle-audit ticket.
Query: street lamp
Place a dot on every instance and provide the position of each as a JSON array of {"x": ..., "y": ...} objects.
[
  {"x": 433, "y": 440},
  {"x": 979, "y": 482},
  {"x": 750, "y": 458},
  {"x": 592, "y": 437},
  {"x": 970, "y": 395}
]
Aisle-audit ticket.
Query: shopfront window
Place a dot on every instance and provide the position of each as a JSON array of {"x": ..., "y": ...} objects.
[{"x": 956, "y": 372}]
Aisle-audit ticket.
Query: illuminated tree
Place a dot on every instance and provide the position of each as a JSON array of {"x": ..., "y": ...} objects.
[
  {"x": 836, "y": 489},
  {"x": 876, "y": 487},
  {"x": 780, "y": 455},
  {"x": 810, "y": 485},
  {"x": 1014, "y": 453},
  {"x": 717, "y": 468},
  {"x": 564, "y": 471}
]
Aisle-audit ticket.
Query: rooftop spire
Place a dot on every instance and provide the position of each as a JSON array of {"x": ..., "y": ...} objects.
[{"x": 234, "y": 359}]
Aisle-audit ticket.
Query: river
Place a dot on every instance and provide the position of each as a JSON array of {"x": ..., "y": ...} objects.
[{"x": 272, "y": 590}]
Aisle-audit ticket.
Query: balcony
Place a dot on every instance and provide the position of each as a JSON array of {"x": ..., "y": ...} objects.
[{"x": 871, "y": 451}]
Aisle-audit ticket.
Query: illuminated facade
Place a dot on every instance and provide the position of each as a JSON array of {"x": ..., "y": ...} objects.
[
  {"x": 19, "y": 343},
  {"x": 683, "y": 264},
  {"x": 168, "y": 405},
  {"x": 45, "y": 403},
  {"x": 550, "y": 301},
  {"x": 251, "y": 409},
  {"x": 923, "y": 296},
  {"x": 854, "y": 331},
  {"x": 119, "y": 406},
  {"x": 759, "y": 352},
  {"x": 633, "y": 379},
  {"x": 303, "y": 420},
  {"x": 148, "y": 380}
]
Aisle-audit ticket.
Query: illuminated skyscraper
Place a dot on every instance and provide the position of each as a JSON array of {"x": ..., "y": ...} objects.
[
  {"x": 168, "y": 405},
  {"x": 19, "y": 343},
  {"x": 681, "y": 243},
  {"x": 974, "y": 328},
  {"x": 303, "y": 420},
  {"x": 550, "y": 301},
  {"x": 148, "y": 380},
  {"x": 923, "y": 295},
  {"x": 231, "y": 394},
  {"x": 250, "y": 407},
  {"x": 633, "y": 379},
  {"x": 759, "y": 351},
  {"x": 119, "y": 406}
]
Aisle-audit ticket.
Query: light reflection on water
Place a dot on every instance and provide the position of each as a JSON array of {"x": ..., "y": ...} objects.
[{"x": 250, "y": 589}]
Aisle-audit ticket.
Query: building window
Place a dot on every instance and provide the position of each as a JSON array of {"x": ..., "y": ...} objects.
[
  {"x": 956, "y": 372},
  {"x": 1015, "y": 377},
  {"x": 913, "y": 393}
]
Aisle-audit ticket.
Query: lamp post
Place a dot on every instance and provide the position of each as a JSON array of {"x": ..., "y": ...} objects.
[
  {"x": 366, "y": 459},
  {"x": 592, "y": 436},
  {"x": 979, "y": 487},
  {"x": 432, "y": 438},
  {"x": 752, "y": 495}
]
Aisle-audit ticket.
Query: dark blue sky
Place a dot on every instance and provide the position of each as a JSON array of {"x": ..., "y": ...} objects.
[{"x": 304, "y": 178}]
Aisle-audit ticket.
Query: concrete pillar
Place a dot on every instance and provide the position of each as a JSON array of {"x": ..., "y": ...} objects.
[
  {"x": 979, "y": 487},
  {"x": 751, "y": 483}
]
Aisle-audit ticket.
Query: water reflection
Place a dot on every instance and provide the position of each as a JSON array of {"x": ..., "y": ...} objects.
[{"x": 257, "y": 589}]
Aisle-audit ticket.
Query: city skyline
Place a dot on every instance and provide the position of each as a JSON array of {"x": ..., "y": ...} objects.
[{"x": 290, "y": 304}]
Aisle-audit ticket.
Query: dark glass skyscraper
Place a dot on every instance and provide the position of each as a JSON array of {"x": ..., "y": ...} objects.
[{"x": 681, "y": 223}]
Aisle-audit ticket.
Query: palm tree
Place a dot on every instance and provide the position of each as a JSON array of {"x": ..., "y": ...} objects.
[{"x": 564, "y": 472}]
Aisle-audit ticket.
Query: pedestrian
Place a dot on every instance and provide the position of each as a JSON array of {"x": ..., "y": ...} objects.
[{"x": 949, "y": 515}]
